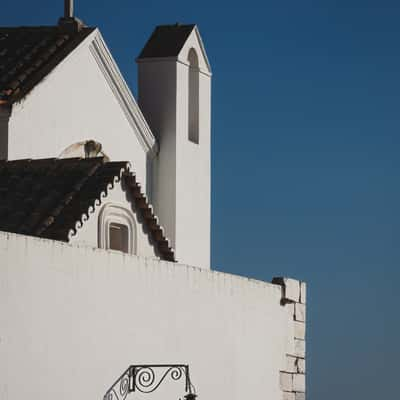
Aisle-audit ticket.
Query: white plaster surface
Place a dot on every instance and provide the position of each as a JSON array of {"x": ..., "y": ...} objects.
[
  {"x": 193, "y": 199},
  {"x": 286, "y": 381},
  {"x": 290, "y": 308},
  {"x": 300, "y": 312},
  {"x": 181, "y": 182},
  {"x": 89, "y": 233},
  {"x": 303, "y": 292},
  {"x": 72, "y": 104},
  {"x": 160, "y": 112},
  {"x": 301, "y": 365},
  {"x": 300, "y": 396},
  {"x": 292, "y": 289},
  {"x": 299, "y": 330},
  {"x": 194, "y": 41},
  {"x": 73, "y": 318},
  {"x": 299, "y": 348},
  {"x": 299, "y": 382},
  {"x": 288, "y": 396},
  {"x": 291, "y": 364}
]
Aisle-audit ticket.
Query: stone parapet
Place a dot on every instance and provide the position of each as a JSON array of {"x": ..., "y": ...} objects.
[{"x": 293, "y": 377}]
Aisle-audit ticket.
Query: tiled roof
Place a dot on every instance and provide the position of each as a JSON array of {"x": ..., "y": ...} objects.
[
  {"x": 166, "y": 41},
  {"x": 51, "y": 198},
  {"x": 28, "y": 54}
]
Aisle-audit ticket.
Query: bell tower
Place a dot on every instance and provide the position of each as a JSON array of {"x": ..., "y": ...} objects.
[{"x": 175, "y": 97}]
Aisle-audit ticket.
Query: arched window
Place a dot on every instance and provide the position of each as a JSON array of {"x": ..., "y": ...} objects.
[
  {"x": 117, "y": 229},
  {"x": 193, "y": 97}
]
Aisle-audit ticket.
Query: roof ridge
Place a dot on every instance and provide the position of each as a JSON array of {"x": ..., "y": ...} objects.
[{"x": 176, "y": 25}]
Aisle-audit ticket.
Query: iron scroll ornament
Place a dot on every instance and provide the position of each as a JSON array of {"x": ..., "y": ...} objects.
[{"x": 145, "y": 379}]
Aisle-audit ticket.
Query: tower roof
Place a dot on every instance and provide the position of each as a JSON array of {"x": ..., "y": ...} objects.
[{"x": 166, "y": 41}]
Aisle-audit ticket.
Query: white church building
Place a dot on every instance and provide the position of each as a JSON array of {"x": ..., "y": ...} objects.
[{"x": 106, "y": 287}]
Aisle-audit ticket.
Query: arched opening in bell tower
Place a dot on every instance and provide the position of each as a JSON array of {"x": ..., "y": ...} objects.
[{"x": 193, "y": 97}]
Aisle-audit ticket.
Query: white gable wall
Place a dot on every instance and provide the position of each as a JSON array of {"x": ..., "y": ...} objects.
[
  {"x": 88, "y": 234},
  {"x": 74, "y": 103},
  {"x": 194, "y": 41}
]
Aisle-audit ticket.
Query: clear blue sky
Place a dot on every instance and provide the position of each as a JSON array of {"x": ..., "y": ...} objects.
[{"x": 306, "y": 167}]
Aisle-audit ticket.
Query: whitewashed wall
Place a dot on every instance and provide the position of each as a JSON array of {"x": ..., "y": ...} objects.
[
  {"x": 182, "y": 174},
  {"x": 193, "y": 166},
  {"x": 160, "y": 112},
  {"x": 73, "y": 318},
  {"x": 75, "y": 102}
]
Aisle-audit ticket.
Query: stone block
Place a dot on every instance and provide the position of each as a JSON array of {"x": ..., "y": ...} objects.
[
  {"x": 300, "y": 312},
  {"x": 303, "y": 292},
  {"x": 300, "y": 396},
  {"x": 291, "y": 289},
  {"x": 291, "y": 364},
  {"x": 286, "y": 381},
  {"x": 299, "y": 330},
  {"x": 300, "y": 348},
  {"x": 299, "y": 383},
  {"x": 290, "y": 309},
  {"x": 288, "y": 396},
  {"x": 301, "y": 365}
]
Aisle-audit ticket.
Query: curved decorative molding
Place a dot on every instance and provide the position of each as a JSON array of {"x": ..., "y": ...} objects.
[
  {"x": 112, "y": 213},
  {"x": 122, "y": 93},
  {"x": 97, "y": 202}
]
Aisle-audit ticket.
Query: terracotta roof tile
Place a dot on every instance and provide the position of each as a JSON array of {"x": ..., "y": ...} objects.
[
  {"x": 49, "y": 198},
  {"x": 28, "y": 54}
]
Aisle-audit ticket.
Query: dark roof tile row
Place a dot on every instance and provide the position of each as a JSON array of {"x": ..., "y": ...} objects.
[
  {"x": 50, "y": 198},
  {"x": 28, "y": 54}
]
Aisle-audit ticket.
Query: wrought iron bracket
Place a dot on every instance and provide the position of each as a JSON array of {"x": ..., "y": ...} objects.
[{"x": 148, "y": 378}]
